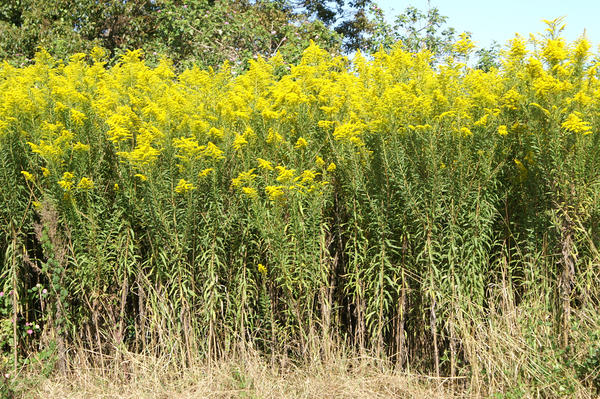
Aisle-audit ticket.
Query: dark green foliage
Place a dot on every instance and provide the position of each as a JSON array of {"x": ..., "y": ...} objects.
[{"x": 200, "y": 32}]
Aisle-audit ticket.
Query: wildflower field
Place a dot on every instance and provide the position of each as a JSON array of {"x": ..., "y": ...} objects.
[{"x": 430, "y": 215}]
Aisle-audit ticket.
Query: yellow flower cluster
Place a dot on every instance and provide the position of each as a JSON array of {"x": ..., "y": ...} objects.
[
  {"x": 575, "y": 124},
  {"x": 184, "y": 186},
  {"x": 272, "y": 137}
]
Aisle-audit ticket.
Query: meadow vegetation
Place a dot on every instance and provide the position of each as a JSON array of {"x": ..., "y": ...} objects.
[{"x": 425, "y": 217}]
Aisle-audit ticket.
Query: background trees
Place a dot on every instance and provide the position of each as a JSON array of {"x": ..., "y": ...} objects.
[
  {"x": 209, "y": 32},
  {"x": 200, "y": 31}
]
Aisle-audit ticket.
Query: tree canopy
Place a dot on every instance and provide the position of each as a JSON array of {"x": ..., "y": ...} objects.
[{"x": 210, "y": 32}]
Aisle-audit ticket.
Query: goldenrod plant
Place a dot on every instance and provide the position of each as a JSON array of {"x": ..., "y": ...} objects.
[{"x": 436, "y": 216}]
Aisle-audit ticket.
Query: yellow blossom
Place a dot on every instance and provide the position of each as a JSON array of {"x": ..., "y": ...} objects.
[
  {"x": 213, "y": 151},
  {"x": 319, "y": 161},
  {"x": 216, "y": 133},
  {"x": 77, "y": 117},
  {"x": 262, "y": 269},
  {"x": 274, "y": 192},
  {"x": 273, "y": 137},
  {"x": 205, "y": 172},
  {"x": 326, "y": 124},
  {"x": 79, "y": 146},
  {"x": 243, "y": 178},
  {"x": 184, "y": 186},
  {"x": 67, "y": 181},
  {"x": 466, "y": 131},
  {"x": 518, "y": 48},
  {"x": 301, "y": 143},
  {"x": 285, "y": 174},
  {"x": 250, "y": 192},
  {"x": 555, "y": 51},
  {"x": 85, "y": 184},
  {"x": 28, "y": 176},
  {"x": 239, "y": 142},
  {"x": 575, "y": 124},
  {"x": 307, "y": 176},
  {"x": 464, "y": 46},
  {"x": 264, "y": 164}
]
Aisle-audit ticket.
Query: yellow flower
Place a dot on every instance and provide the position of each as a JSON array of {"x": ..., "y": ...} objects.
[
  {"x": 518, "y": 48},
  {"x": 331, "y": 167},
  {"x": 273, "y": 137},
  {"x": 466, "y": 131},
  {"x": 307, "y": 176},
  {"x": 205, "y": 172},
  {"x": 274, "y": 192},
  {"x": 59, "y": 107},
  {"x": 264, "y": 164},
  {"x": 77, "y": 117},
  {"x": 575, "y": 124},
  {"x": 68, "y": 176},
  {"x": 285, "y": 174},
  {"x": 250, "y": 192},
  {"x": 216, "y": 133},
  {"x": 239, "y": 142},
  {"x": 45, "y": 172},
  {"x": 502, "y": 131},
  {"x": 67, "y": 181},
  {"x": 464, "y": 46},
  {"x": 98, "y": 54},
  {"x": 301, "y": 143},
  {"x": 79, "y": 146},
  {"x": 140, "y": 176},
  {"x": 243, "y": 177},
  {"x": 326, "y": 124},
  {"x": 554, "y": 51},
  {"x": 189, "y": 146},
  {"x": 319, "y": 161},
  {"x": 28, "y": 176},
  {"x": 85, "y": 184},
  {"x": 581, "y": 51},
  {"x": 213, "y": 151},
  {"x": 183, "y": 187},
  {"x": 511, "y": 99},
  {"x": 262, "y": 269}
]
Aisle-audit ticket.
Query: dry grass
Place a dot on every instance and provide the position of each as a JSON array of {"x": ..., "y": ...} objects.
[{"x": 250, "y": 377}]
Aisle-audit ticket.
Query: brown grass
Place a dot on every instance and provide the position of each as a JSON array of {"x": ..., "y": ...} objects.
[{"x": 250, "y": 377}]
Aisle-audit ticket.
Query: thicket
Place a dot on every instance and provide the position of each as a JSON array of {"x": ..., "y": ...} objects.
[
  {"x": 206, "y": 33},
  {"x": 442, "y": 218},
  {"x": 200, "y": 32}
]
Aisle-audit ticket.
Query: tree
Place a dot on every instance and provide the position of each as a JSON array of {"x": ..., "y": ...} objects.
[
  {"x": 417, "y": 30},
  {"x": 488, "y": 58},
  {"x": 424, "y": 30},
  {"x": 67, "y": 26},
  {"x": 350, "y": 19},
  {"x": 207, "y": 32}
]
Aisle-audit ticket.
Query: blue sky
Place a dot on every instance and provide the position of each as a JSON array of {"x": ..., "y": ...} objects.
[{"x": 500, "y": 20}]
